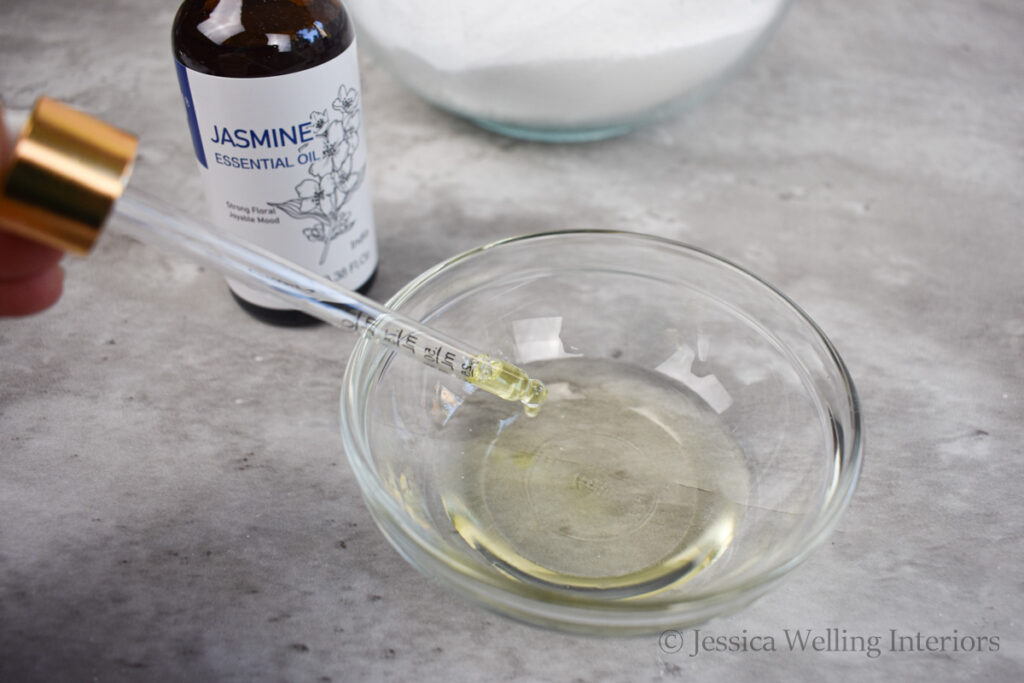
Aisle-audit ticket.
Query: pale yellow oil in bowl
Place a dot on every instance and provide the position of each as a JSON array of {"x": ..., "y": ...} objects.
[{"x": 626, "y": 483}]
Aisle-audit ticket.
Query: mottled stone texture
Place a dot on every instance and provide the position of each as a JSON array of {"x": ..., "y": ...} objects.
[{"x": 174, "y": 500}]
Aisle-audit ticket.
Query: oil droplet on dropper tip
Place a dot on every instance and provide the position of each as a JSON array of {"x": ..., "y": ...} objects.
[{"x": 508, "y": 382}]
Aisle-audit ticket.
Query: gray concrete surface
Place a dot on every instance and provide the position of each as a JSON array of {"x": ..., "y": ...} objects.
[{"x": 174, "y": 500}]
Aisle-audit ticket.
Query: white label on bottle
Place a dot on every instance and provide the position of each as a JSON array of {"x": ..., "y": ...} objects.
[{"x": 283, "y": 161}]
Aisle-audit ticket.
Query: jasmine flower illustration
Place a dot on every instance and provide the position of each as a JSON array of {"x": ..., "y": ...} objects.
[{"x": 322, "y": 197}]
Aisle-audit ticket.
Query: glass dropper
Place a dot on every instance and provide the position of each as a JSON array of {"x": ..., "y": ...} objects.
[
  {"x": 68, "y": 174},
  {"x": 151, "y": 221}
]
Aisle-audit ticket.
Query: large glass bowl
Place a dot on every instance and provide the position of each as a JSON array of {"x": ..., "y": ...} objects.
[
  {"x": 700, "y": 437},
  {"x": 563, "y": 70}
]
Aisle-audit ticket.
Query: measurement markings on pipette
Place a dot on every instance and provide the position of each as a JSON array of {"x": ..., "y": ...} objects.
[{"x": 403, "y": 339}]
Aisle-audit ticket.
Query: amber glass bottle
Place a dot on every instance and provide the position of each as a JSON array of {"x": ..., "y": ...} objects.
[{"x": 271, "y": 91}]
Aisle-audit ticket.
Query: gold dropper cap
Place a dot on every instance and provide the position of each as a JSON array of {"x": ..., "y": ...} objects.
[{"x": 66, "y": 172}]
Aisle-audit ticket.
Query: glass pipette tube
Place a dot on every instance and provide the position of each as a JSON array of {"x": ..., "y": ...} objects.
[
  {"x": 68, "y": 171},
  {"x": 153, "y": 222}
]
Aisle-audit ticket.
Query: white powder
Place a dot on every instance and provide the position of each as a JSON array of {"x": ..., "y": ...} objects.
[{"x": 560, "y": 63}]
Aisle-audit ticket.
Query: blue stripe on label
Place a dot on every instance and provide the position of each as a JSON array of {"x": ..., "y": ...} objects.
[{"x": 190, "y": 111}]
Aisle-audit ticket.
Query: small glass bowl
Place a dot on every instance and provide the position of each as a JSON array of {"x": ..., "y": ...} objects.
[
  {"x": 565, "y": 71},
  {"x": 700, "y": 437}
]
